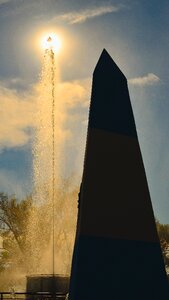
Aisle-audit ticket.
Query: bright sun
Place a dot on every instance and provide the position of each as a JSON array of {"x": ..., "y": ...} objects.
[{"x": 51, "y": 41}]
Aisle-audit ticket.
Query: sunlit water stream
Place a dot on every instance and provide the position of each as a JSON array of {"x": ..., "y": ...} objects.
[{"x": 52, "y": 222}]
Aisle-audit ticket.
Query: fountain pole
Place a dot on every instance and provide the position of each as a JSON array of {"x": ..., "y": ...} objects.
[{"x": 53, "y": 156}]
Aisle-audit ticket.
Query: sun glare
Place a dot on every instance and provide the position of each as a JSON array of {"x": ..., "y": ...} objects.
[{"x": 51, "y": 41}]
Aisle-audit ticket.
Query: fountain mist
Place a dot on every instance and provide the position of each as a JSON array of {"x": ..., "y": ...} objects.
[
  {"x": 52, "y": 223},
  {"x": 48, "y": 235}
]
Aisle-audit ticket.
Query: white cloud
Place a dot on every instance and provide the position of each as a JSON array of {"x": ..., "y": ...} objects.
[
  {"x": 83, "y": 15},
  {"x": 17, "y": 113},
  {"x": 17, "y": 110},
  {"x": 149, "y": 79}
]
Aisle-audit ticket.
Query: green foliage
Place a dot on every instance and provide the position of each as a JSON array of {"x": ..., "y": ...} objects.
[
  {"x": 14, "y": 216},
  {"x": 13, "y": 225},
  {"x": 26, "y": 230},
  {"x": 163, "y": 232}
]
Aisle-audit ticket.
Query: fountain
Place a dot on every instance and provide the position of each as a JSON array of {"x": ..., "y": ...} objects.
[{"x": 48, "y": 252}]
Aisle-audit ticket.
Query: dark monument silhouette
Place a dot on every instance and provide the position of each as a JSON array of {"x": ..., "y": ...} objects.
[{"x": 117, "y": 253}]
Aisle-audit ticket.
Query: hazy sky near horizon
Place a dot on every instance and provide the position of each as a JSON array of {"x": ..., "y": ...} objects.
[{"x": 136, "y": 35}]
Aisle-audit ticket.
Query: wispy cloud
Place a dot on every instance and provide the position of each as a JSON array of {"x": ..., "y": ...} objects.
[
  {"x": 4, "y": 1},
  {"x": 149, "y": 79},
  {"x": 83, "y": 15}
]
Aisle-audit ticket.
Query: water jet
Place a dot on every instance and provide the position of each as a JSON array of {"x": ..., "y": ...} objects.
[{"x": 45, "y": 179}]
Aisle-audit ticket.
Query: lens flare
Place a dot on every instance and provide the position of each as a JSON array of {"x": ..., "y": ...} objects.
[{"x": 51, "y": 42}]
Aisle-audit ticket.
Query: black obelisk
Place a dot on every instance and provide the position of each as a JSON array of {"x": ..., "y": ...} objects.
[{"x": 117, "y": 253}]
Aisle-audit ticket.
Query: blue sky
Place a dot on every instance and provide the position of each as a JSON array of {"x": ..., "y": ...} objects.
[{"x": 135, "y": 33}]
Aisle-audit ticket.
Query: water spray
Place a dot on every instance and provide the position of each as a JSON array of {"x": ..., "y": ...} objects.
[
  {"x": 50, "y": 236},
  {"x": 50, "y": 52},
  {"x": 52, "y": 57},
  {"x": 47, "y": 247}
]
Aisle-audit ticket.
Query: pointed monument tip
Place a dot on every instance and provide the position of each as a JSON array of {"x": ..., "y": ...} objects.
[
  {"x": 105, "y": 52},
  {"x": 105, "y": 55},
  {"x": 106, "y": 63}
]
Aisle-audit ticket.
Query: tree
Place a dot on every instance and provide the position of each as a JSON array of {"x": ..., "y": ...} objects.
[
  {"x": 14, "y": 216},
  {"x": 26, "y": 229},
  {"x": 163, "y": 232}
]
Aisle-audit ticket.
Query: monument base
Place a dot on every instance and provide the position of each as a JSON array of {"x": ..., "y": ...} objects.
[{"x": 47, "y": 283}]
